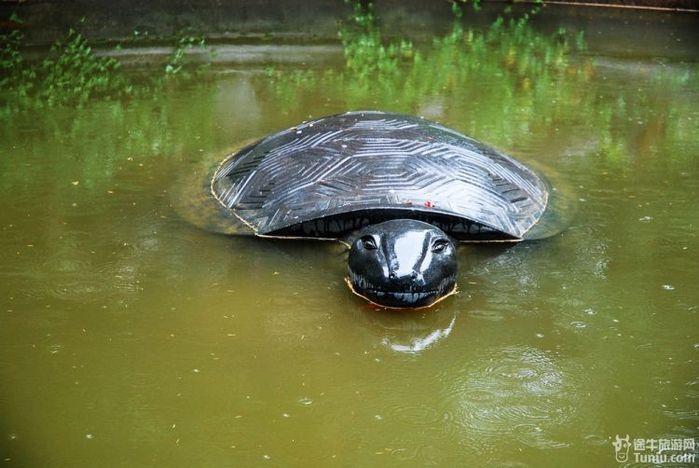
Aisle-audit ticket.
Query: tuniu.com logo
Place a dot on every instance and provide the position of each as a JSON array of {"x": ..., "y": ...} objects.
[
  {"x": 621, "y": 448},
  {"x": 655, "y": 451}
]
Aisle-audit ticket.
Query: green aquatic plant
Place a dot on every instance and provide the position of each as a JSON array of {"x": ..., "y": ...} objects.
[
  {"x": 511, "y": 65},
  {"x": 72, "y": 73},
  {"x": 178, "y": 64},
  {"x": 504, "y": 83},
  {"x": 12, "y": 69},
  {"x": 456, "y": 6},
  {"x": 365, "y": 52}
]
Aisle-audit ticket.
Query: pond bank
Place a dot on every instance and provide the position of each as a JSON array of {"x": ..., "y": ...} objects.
[{"x": 151, "y": 22}]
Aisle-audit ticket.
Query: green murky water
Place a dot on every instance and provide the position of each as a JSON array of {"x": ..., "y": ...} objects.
[{"x": 130, "y": 338}]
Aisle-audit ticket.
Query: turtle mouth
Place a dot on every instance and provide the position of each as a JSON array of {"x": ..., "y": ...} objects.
[{"x": 412, "y": 298}]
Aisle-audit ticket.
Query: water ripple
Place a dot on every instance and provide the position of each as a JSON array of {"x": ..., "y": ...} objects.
[
  {"x": 418, "y": 415},
  {"x": 518, "y": 391}
]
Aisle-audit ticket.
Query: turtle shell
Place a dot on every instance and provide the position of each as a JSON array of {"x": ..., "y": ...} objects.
[{"x": 330, "y": 176}]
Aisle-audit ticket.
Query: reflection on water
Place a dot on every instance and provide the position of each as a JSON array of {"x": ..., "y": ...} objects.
[
  {"x": 129, "y": 334},
  {"x": 411, "y": 333},
  {"x": 419, "y": 343}
]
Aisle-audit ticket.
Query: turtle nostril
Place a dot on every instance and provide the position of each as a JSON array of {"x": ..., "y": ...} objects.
[{"x": 413, "y": 275}]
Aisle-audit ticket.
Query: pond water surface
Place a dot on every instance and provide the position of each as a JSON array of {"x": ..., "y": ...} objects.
[{"x": 129, "y": 337}]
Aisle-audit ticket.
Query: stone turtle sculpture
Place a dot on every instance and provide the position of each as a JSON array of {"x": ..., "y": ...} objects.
[{"x": 400, "y": 191}]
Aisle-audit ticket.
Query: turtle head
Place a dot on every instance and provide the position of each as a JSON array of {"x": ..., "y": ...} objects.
[{"x": 402, "y": 263}]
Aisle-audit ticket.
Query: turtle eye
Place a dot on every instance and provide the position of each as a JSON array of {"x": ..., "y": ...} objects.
[
  {"x": 368, "y": 242},
  {"x": 439, "y": 245}
]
